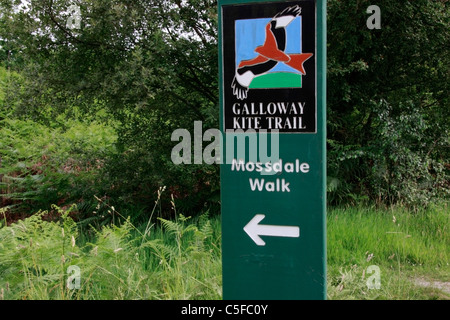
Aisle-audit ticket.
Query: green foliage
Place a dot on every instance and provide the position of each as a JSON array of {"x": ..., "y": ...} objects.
[
  {"x": 400, "y": 165},
  {"x": 403, "y": 245},
  {"x": 41, "y": 166},
  {"x": 8, "y": 79},
  {"x": 34, "y": 255},
  {"x": 419, "y": 239},
  {"x": 405, "y": 166},
  {"x": 153, "y": 69},
  {"x": 3, "y": 84},
  {"x": 185, "y": 256},
  {"x": 388, "y": 114},
  {"x": 116, "y": 263},
  {"x": 182, "y": 258}
]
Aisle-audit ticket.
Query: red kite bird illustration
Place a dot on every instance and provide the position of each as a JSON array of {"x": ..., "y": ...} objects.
[{"x": 270, "y": 53}]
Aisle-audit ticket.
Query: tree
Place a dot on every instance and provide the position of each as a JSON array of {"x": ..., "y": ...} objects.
[
  {"x": 152, "y": 65},
  {"x": 388, "y": 103}
]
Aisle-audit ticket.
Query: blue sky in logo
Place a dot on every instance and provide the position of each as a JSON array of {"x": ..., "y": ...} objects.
[{"x": 251, "y": 33}]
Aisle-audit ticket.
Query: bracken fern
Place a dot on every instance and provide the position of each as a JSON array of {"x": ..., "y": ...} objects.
[{"x": 118, "y": 263}]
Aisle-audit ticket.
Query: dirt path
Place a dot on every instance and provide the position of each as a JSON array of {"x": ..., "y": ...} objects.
[{"x": 443, "y": 286}]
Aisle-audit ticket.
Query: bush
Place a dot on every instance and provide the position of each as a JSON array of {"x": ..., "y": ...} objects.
[
  {"x": 41, "y": 165},
  {"x": 398, "y": 165}
]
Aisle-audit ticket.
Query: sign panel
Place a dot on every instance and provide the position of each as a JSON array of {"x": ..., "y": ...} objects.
[
  {"x": 272, "y": 98},
  {"x": 265, "y": 57}
]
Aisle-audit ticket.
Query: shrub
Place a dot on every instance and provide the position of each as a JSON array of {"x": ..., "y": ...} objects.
[{"x": 41, "y": 165}]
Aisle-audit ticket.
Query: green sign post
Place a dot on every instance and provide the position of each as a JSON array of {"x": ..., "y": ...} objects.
[{"x": 272, "y": 62}]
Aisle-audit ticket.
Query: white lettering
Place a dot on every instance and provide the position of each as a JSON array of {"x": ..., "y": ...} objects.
[
  {"x": 236, "y": 111},
  {"x": 256, "y": 184},
  {"x": 270, "y": 186},
  {"x": 237, "y": 166}
]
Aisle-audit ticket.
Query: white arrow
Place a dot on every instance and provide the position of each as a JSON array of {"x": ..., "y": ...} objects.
[{"x": 255, "y": 230}]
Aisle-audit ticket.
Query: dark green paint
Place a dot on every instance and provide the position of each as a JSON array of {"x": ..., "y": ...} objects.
[{"x": 285, "y": 268}]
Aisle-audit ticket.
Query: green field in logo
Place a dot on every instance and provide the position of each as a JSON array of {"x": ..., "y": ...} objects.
[{"x": 277, "y": 80}]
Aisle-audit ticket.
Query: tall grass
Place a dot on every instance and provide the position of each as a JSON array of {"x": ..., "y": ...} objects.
[
  {"x": 415, "y": 239},
  {"x": 181, "y": 258},
  {"x": 402, "y": 244},
  {"x": 174, "y": 260}
]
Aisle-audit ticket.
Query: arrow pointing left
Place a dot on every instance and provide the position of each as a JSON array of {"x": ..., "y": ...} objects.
[{"x": 255, "y": 230}]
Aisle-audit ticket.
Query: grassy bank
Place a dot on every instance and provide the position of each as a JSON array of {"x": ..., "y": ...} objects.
[
  {"x": 404, "y": 246},
  {"x": 181, "y": 259}
]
